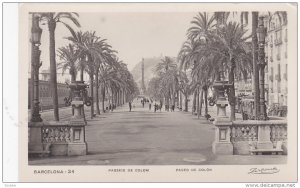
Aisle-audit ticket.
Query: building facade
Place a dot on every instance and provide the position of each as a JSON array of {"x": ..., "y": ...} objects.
[
  {"x": 46, "y": 101},
  {"x": 277, "y": 59}
]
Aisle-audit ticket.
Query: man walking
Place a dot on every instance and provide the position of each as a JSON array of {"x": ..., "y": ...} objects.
[{"x": 129, "y": 106}]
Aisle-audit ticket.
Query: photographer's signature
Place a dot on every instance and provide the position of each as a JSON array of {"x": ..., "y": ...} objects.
[{"x": 263, "y": 170}]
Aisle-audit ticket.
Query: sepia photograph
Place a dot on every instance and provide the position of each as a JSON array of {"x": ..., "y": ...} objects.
[{"x": 159, "y": 86}]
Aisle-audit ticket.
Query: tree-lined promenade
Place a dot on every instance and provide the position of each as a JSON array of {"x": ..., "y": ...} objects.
[
  {"x": 87, "y": 53},
  {"x": 216, "y": 49},
  {"x": 216, "y": 53}
]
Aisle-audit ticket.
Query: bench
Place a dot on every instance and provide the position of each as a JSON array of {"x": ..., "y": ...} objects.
[{"x": 273, "y": 151}]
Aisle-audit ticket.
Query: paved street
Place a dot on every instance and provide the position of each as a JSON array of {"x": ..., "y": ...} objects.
[{"x": 143, "y": 137}]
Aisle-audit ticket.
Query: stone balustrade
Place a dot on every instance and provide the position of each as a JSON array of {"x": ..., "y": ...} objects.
[
  {"x": 250, "y": 134},
  {"x": 57, "y": 138},
  {"x": 57, "y": 134}
]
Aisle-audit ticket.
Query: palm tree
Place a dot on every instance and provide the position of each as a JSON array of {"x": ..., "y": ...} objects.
[
  {"x": 52, "y": 19},
  {"x": 166, "y": 64},
  {"x": 193, "y": 51},
  {"x": 92, "y": 49},
  {"x": 203, "y": 25},
  {"x": 167, "y": 70},
  {"x": 223, "y": 50},
  {"x": 68, "y": 56},
  {"x": 109, "y": 79},
  {"x": 78, "y": 39},
  {"x": 230, "y": 42}
]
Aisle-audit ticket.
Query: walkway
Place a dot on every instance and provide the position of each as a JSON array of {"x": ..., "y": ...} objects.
[{"x": 143, "y": 137}]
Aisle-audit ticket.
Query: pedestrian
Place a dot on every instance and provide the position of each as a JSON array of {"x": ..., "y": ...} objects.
[
  {"x": 129, "y": 106},
  {"x": 149, "y": 106},
  {"x": 155, "y": 107}
]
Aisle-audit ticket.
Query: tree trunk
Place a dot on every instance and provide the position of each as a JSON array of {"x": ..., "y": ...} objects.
[
  {"x": 232, "y": 90},
  {"x": 194, "y": 102},
  {"x": 205, "y": 100},
  {"x": 112, "y": 99},
  {"x": 180, "y": 99},
  {"x": 73, "y": 77},
  {"x": 97, "y": 92},
  {"x": 53, "y": 79},
  {"x": 103, "y": 99},
  {"x": 201, "y": 102},
  {"x": 198, "y": 106},
  {"x": 174, "y": 98},
  {"x": 254, "y": 62},
  {"x": 186, "y": 100},
  {"x": 118, "y": 97},
  {"x": 92, "y": 93},
  {"x": 81, "y": 73}
]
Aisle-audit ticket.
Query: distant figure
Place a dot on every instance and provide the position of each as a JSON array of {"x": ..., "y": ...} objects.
[
  {"x": 130, "y": 106},
  {"x": 149, "y": 106},
  {"x": 155, "y": 107},
  {"x": 173, "y": 108},
  {"x": 167, "y": 107},
  {"x": 143, "y": 103}
]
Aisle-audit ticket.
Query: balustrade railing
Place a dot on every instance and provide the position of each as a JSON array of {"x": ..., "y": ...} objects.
[
  {"x": 57, "y": 138},
  {"x": 278, "y": 133},
  {"x": 246, "y": 135},
  {"x": 57, "y": 134},
  {"x": 243, "y": 133}
]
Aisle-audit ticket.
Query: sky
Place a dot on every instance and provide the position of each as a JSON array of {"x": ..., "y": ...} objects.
[{"x": 134, "y": 35}]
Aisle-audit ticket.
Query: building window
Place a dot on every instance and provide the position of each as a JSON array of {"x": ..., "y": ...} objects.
[
  {"x": 278, "y": 38},
  {"x": 286, "y": 72},
  {"x": 278, "y": 56},
  {"x": 286, "y": 36},
  {"x": 271, "y": 55}
]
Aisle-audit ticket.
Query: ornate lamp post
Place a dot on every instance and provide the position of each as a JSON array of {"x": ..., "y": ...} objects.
[
  {"x": 261, "y": 34},
  {"x": 36, "y": 33}
]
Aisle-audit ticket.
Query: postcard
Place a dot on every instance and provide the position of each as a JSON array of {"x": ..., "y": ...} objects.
[{"x": 158, "y": 92}]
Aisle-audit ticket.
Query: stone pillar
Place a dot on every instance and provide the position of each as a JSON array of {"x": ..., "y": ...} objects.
[
  {"x": 222, "y": 144},
  {"x": 35, "y": 144},
  {"x": 264, "y": 133},
  {"x": 78, "y": 146}
]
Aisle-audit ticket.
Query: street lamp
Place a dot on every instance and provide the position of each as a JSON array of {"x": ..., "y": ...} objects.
[
  {"x": 36, "y": 31},
  {"x": 261, "y": 35},
  {"x": 35, "y": 40}
]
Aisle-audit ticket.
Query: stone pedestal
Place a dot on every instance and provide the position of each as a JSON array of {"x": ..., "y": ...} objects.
[
  {"x": 35, "y": 145},
  {"x": 78, "y": 145},
  {"x": 264, "y": 141},
  {"x": 222, "y": 144}
]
